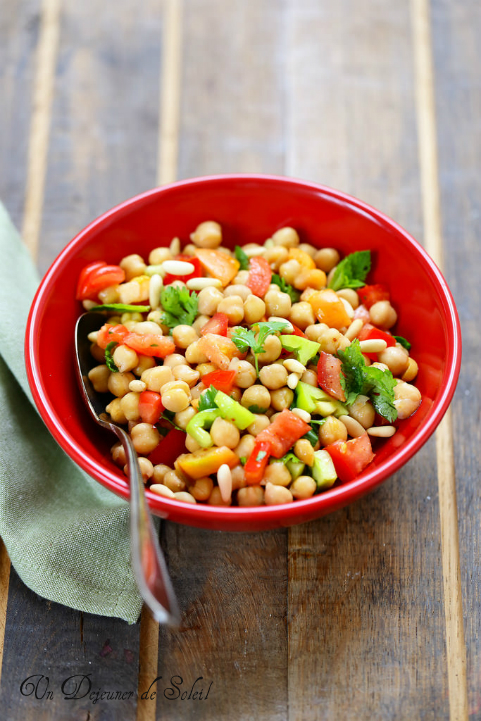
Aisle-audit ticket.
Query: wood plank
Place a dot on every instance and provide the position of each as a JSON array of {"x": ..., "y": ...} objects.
[
  {"x": 455, "y": 33},
  {"x": 231, "y": 587},
  {"x": 366, "y": 633}
]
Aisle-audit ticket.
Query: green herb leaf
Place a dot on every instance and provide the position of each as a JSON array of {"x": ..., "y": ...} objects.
[
  {"x": 169, "y": 416},
  {"x": 241, "y": 257},
  {"x": 109, "y": 361},
  {"x": 122, "y": 308},
  {"x": 379, "y": 386},
  {"x": 405, "y": 343},
  {"x": 260, "y": 456},
  {"x": 312, "y": 437},
  {"x": 286, "y": 287},
  {"x": 256, "y": 409},
  {"x": 206, "y": 400},
  {"x": 180, "y": 307},
  {"x": 290, "y": 456},
  {"x": 352, "y": 371},
  {"x": 319, "y": 422},
  {"x": 243, "y": 460},
  {"x": 245, "y": 339},
  {"x": 351, "y": 272}
]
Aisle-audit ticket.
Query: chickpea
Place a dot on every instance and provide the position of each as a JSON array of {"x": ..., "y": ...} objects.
[
  {"x": 118, "y": 383},
  {"x": 158, "y": 255},
  {"x": 327, "y": 258},
  {"x": 216, "y": 498},
  {"x": 184, "y": 335},
  {"x": 207, "y": 235},
  {"x": 173, "y": 481},
  {"x": 191, "y": 444},
  {"x": 396, "y": 359},
  {"x": 208, "y": 300},
  {"x": 408, "y": 399},
  {"x": 115, "y": 412},
  {"x": 129, "y": 404},
  {"x": 304, "y": 451},
  {"x": 310, "y": 377},
  {"x": 256, "y": 395},
  {"x": 275, "y": 494},
  {"x": 145, "y": 438},
  {"x": 175, "y": 400},
  {"x": 278, "y": 474},
  {"x": 183, "y": 417},
  {"x": 99, "y": 377},
  {"x": 146, "y": 468},
  {"x": 174, "y": 359},
  {"x": 302, "y": 315},
  {"x": 200, "y": 322},
  {"x": 350, "y": 295},
  {"x": 205, "y": 368},
  {"x": 156, "y": 377},
  {"x": 147, "y": 327},
  {"x": 187, "y": 374},
  {"x": 109, "y": 295},
  {"x": 246, "y": 374},
  {"x": 272, "y": 349},
  {"x": 254, "y": 309},
  {"x": 118, "y": 455},
  {"x": 250, "y": 496},
  {"x": 277, "y": 304},
  {"x": 246, "y": 446},
  {"x": 159, "y": 472},
  {"x": 273, "y": 376},
  {"x": 224, "y": 433},
  {"x": 241, "y": 277},
  {"x": 125, "y": 358},
  {"x": 97, "y": 352},
  {"x": 202, "y": 488},
  {"x": 411, "y": 371},
  {"x": 276, "y": 256},
  {"x": 287, "y": 237},
  {"x": 132, "y": 265},
  {"x": 238, "y": 478},
  {"x": 303, "y": 487},
  {"x": 144, "y": 363},
  {"x": 282, "y": 398},
  {"x": 193, "y": 354},
  {"x": 233, "y": 307},
  {"x": 383, "y": 314},
  {"x": 332, "y": 430},
  {"x": 362, "y": 411},
  {"x": 290, "y": 270},
  {"x": 241, "y": 290},
  {"x": 260, "y": 424}
]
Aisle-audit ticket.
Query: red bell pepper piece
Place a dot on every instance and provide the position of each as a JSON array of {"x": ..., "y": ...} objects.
[
  {"x": 169, "y": 448},
  {"x": 350, "y": 458},
  {"x": 283, "y": 432},
  {"x": 371, "y": 294},
  {"x": 217, "y": 324},
  {"x": 197, "y": 273},
  {"x": 221, "y": 380},
  {"x": 329, "y": 375},
  {"x": 297, "y": 331},
  {"x": 370, "y": 332},
  {"x": 257, "y": 462},
  {"x": 97, "y": 276},
  {"x": 260, "y": 275},
  {"x": 150, "y": 407}
]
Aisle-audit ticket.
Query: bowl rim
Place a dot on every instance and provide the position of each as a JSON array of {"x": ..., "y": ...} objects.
[{"x": 325, "y": 502}]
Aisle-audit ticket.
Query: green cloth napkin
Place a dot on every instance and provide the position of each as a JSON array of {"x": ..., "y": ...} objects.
[{"x": 67, "y": 536}]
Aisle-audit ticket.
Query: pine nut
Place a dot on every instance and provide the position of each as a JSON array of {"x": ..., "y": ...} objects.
[
  {"x": 184, "y": 497},
  {"x": 178, "y": 267},
  {"x": 373, "y": 346},
  {"x": 155, "y": 286},
  {"x": 294, "y": 366},
  {"x": 201, "y": 283},
  {"x": 354, "y": 329},
  {"x": 293, "y": 380},
  {"x": 381, "y": 431},
  {"x": 347, "y": 307},
  {"x": 175, "y": 246},
  {"x": 137, "y": 386},
  {"x": 252, "y": 252},
  {"x": 352, "y": 426},
  {"x": 161, "y": 490},
  {"x": 93, "y": 336},
  {"x": 224, "y": 481},
  {"x": 289, "y": 327},
  {"x": 303, "y": 415}
]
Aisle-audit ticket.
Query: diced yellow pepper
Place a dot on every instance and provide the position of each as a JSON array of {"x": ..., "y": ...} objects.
[{"x": 206, "y": 461}]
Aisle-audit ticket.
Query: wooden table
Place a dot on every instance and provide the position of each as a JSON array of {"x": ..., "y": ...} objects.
[{"x": 358, "y": 615}]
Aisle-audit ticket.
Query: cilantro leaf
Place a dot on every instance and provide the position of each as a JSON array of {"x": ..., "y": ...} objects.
[
  {"x": 286, "y": 287},
  {"x": 312, "y": 437},
  {"x": 379, "y": 386},
  {"x": 242, "y": 258},
  {"x": 351, "y": 272},
  {"x": 243, "y": 460},
  {"x": 352, "y": 371},
  {"x": 206, "y": 400},
  {"x": 122, "y": 308},
  {"x": 245, "y": 339},
  {"x": 180, "y": 307},
  {"x": 169, "y": 416},
  {"x": 405, "y": 343},
  {"x": 109, "y": 361}
]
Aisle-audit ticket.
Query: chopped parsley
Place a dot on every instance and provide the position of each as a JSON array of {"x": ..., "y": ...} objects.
[
  {"x": 206, "y": 400},
  {"x": 243, "y": 460},
  {"x": 242, "y": 258},
  {"x": 180, "y": 306},
  {"x": 169, "y": 416},
  {"x": 351, "y": 272},
  {"x": 109, "y": 361},
  {"x": 260, "y": 456},
  {"x": 288, "y": 458},
  {"x": 245, "y": 339},
  {"x": 285, "y": 287},
  {"x": 256, "y": 409},
  {"x": 405, "y": 343},
  {"x": 312, "y": 437}
]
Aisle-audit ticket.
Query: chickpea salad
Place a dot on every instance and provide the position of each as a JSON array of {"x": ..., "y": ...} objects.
[{"x": 258, "y": 376}]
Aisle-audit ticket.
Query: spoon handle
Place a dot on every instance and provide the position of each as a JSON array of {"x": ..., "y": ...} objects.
[{"x": 148, "y": 562}]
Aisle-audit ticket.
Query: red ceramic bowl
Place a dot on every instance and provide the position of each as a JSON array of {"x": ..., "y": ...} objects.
[{"x": 250, "y": 209}]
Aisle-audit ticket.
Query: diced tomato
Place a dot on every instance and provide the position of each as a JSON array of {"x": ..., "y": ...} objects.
[
  {"x": 329, "y": 375},
  {"x": 297, "y": 331},
  {"x": 109, "y": 333},
  {"x": 97, "y": 276},
  {"x": 362, "y": 313},
  {"x": 369, "y": 332},
  {"x": 221, "y": 380},
  {"x": 350, "y": 458},
  {"x": 217, "y": 324},
  {"x": 260, "y": 275},
  {"x": 218, "y": 349},
  {"x": 150, "y": 407},
  {"x": 283, "y": 432},
  {"x": 158, "y": 346},
  {"x": 371, "y": 294},
  {"x": 169, "y": 448},
  {"x": 257, "y": 462},
  {"x": 197, "y": 273}
]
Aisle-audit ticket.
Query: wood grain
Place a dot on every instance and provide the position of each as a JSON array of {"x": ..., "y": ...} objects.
[{"x": 366, "y": 631}]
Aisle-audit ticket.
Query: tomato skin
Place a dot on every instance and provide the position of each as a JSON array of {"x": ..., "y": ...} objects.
[
  {"x": 254, "y": 468},
  {"x": 260, "y": 275},
  {"x": 97, "y": 276},
  {"x": 371, "y": 294},
  {"x": 169, "y": 449},
  {"x": 283, "y": 432},
  {"x": 329, "y": 375},
  {"x": 217, "y": 324},
  {"x": 197, "y": 273},
  {"x": 297, "y": 331},
  {"x": 109, "y": 333},
  {"x": 221, "y": 380},
  {"x": 350, "y": 458},
  {"x": 370, "y": 332},
  {"x": 157, "y": 346},
  {"x": 150, "y": 407}
]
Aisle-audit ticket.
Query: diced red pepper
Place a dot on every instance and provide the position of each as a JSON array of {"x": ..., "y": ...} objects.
[
  {"x": 329, "y": 375},
  {"x": 97, "y": 276},
  {"x": 369, "y": 332},
  {"x": 150, "y": 407},
  {"x": 283, "y": 432},
  {"x": 169, "y": 448},
  {"x": 371, "y": 294},
  {"x": 109, "y": 333},
  {"x": 217, "y": 324},
  {"x": 298, "y": 331},
  {"x": 221, "y": 380},
  {"x": 257, "y": 462},
  {"x": 157, "y": 346},
  {"x": 350, "y": 458},
  {"x": 260, "y": 275},
  {"x": 197, "y": 273}
]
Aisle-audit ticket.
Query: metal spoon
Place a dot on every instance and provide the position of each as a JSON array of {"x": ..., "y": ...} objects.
[{"x": 148, "y": 563}]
